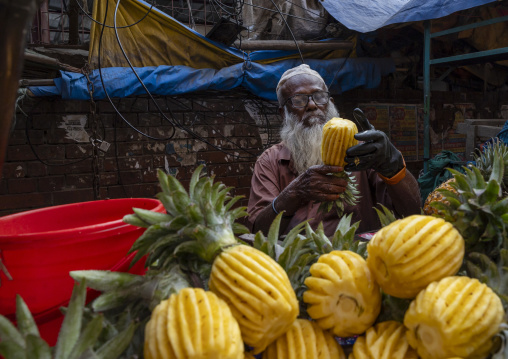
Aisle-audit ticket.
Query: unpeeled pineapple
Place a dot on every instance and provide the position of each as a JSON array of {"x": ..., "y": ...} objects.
[
  {"x": 436, "y": 196},
  {"x": 258, "y": 291},
  {"x": 305, "y": 339},
  {"x": 456, "y": 316},
  {"x": 385, "y": 340},
  {"x": 193, "y": 323},
  {"x": 342, "y": 294},
  {"x": 338, "y": 136},
  {"x": 412, "y": 252}
]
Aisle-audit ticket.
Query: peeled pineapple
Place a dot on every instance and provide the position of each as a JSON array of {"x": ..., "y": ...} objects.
[
  {"x": 342, "y": 294},
  {"x": 455, "y": 317},
  {"x": 258, "y": 291},
  {"x": 193, "y": 323},
  {"x": 305, "y": 339},
  {"x": 410, "y": 253},
  {"x": 386, "y": 340},
  {"x": 338, "y": 136}
]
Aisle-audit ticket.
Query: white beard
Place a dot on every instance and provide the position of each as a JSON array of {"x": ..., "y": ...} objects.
[{"x": 304, "y": 143}]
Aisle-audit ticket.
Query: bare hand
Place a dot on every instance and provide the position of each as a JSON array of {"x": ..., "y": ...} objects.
[{"x": 316, "y": 184}]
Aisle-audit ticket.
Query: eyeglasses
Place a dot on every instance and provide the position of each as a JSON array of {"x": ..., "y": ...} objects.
[{"x": 301, "y": 100}]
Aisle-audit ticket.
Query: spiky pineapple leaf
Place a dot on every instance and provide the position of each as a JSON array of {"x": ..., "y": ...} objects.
[
  {"x": 25, "y": 320},
  {"x": 385, "y": 215},
  {"x": 71, "y": 325}
]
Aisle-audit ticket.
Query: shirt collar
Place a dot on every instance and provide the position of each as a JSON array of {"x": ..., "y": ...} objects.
[{"x": 285, "y": 155}]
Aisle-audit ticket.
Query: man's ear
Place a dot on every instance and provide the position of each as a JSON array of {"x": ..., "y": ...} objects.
[
  {"x": 331, "y": 99},
  {"x": 281, "y": 112}
]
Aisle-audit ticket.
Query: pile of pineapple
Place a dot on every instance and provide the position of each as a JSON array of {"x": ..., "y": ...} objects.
[{"x": 423, "y": 287}]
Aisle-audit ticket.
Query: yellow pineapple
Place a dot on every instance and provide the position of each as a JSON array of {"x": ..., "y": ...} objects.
[
  {"x": 342, "y": 294},
  {"x": 198, "y": 232},
  {"x": 454, "y": 317},
  {"x": 338, "y": 136},
  {"x": 305, "y": 339},
  {"x": 193, "y": 323},
  {"x": 384, "y": 340},
  {"x": 258, "y": 291},
  {"x": 436, "y": 196},
  {"x": 412, "y": 252}
]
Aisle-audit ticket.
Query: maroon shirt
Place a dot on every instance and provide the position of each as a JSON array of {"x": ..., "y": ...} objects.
[{"x": 274, "y": 171}]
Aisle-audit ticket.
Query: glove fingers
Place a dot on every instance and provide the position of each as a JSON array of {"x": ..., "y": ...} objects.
[
  {"x": 362, "y": 120},
  {"x": 362, "y": 149},
  {"x": 359, "y": 163},
  {"x": 371, "y": 135}
]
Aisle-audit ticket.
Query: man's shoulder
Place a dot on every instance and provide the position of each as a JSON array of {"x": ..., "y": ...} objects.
[{"x": 275, "y": 153}]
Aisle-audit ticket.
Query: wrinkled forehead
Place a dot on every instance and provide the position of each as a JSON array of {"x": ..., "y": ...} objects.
[{"x": 302, "y": 83}]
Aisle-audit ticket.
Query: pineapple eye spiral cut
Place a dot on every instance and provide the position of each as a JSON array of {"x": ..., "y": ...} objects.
[
  {"x": 193, "y": 323},
  {"x": 412, "y": 252},
  {"x": 454, "y": 317},
  {"x": 342, "y": 295},
  {"x": 338, "y": 136}
]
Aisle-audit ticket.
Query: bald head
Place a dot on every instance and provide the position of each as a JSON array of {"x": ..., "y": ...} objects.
[{"x": 296, "y": 71}]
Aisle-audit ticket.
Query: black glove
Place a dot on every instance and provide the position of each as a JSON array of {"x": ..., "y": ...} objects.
[{"x": 377, "y": 152}]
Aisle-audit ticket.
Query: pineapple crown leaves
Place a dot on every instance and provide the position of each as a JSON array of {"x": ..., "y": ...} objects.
[
  {"x": 486, "y": 159},
  {"x": 343, "y": 238},
  {"x": 494, "y": 274},
  {"x": 476, "y": 209},
  {"x": 74, "y": 342},
  {"x": 201, "y": 221},
  {"x": 385, "y": 215},
  {"x": 295, "y": 253},
  {"x": 120, "y": 288}
]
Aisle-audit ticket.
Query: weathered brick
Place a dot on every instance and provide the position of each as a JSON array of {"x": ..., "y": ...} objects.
[
  {"x": 25, "y": 200},
  {"x": 129, "y": 148},
  {"x": 51, "y": 152},
  {"x": 108, "y": 179},
  {"x": 78, "y": 151},
  {"x": 20, "y": 153},
  {"x": 163, "y": 161},
  {"x": 22, "y": 185},
  {"x": 212, "y": 157},
  {"x": 44, "y": 121},
  {"x": 84, "y": 166},
  {"x": 3, "y": 186},
  {"x": 149, "y": 175},
  {"x": 36, "y": 169},
  {"x": 14, "y": 169},
  {"x": 130, "y": 177},
  {"x": 244, "y": 181},
  {"x": 79, "y": 181},
  {"x": 228, "y": 181},
  {"x": 73, "y": 196},
  {"x": 51, "y": 183},
  {"x": 17, "y": 137},
  {"x": 149, "y": 119},
  {"x": 127, "y": 134},
  {"x": 134, "y": 162}
]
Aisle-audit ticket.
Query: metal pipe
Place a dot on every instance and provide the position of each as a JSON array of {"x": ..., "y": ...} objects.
[
  {"x": 426, "y": 94},
  {"x": 15, "y": 16}
]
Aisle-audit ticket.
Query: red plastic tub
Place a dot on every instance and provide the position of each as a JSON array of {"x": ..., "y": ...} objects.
[{"x": 40, "y": 248}]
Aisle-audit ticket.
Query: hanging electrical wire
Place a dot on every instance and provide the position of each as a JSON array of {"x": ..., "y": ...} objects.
[{"x": 109, "y": 26}]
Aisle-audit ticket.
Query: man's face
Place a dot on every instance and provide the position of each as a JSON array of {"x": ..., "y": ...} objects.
[{"x": 311, "y": 114}]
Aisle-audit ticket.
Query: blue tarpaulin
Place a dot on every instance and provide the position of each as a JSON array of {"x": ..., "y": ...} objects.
[
  {"x": 260, "y": 79},
  {"x": 370, "y": 15}
]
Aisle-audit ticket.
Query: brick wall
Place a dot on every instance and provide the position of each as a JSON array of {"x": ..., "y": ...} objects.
[
  {"x": 38, "y": 171},
  {"x": 50, "y": 159}
]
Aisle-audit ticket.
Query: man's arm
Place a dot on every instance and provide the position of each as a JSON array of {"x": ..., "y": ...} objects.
[
  {"x": 405, "y": 196},
  {"x": 313, "y": 185}
]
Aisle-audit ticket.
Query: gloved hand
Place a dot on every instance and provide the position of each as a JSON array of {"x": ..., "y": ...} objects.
[{"x": 377, "y": 152}]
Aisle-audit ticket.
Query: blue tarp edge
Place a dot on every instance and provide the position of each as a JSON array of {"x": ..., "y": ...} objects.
[
  {"x": 370, "y": 15},
  {"x": 339, "y": 74}
]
